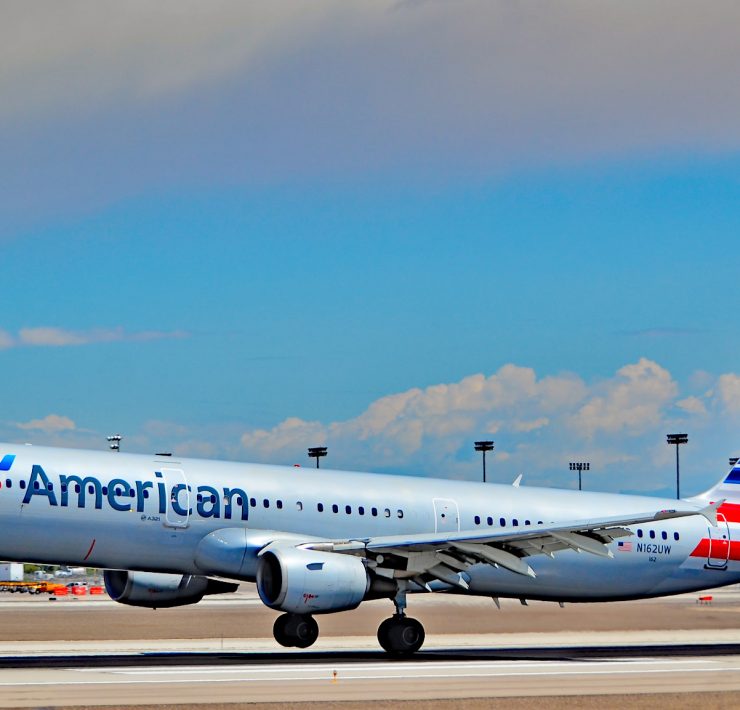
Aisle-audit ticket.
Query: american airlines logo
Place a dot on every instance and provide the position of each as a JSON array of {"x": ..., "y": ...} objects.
[
  {"x": 125, "y": 496},
  {"x": 7, "y": 462}
]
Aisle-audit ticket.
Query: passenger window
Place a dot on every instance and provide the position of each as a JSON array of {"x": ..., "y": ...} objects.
[
  {"x": 675, "y": 536},
  {"x": 360, "y": 510},
  {"x": 374, "y": 512},
  {"x": 502, "y": 522},
  {"x": 335, "y": 508},
  {"x": 91, "y": 489},
  {"x": 105, "y": 490},
  {"x": 23, "y": 484},
  {"x": 320, "y": 507},
  {"x": 399, "y": 513},
  {"x": 35, "y": 485},
  {"x": 489, "y": 520},
  {"x": 387, "y": 512},
  {"x": 526, "y": 522},
  {"x": 477, "y": 519},
  {"x": 348, "y": 509},
  {"x": 253, "y": 502},
  {"x": 652, "y": 534},
  {"x": 279, "y": 504},
  {"x": 639, "y": 533},
  {"x": 515, "y": 523},
  {"x": 50, "y": 486},
  {"x": 664, "y": 535},
  {"x": 299, "y": 505},
  {"x": 8, "y": 483},
  {"x": 266, "y": 503}
]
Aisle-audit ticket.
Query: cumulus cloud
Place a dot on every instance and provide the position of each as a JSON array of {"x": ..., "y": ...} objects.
[
  {"x": 540, "y": 423},
  {"x": 50, "y": 424},
  {"x": 632, "y": 401},
  {"x": 59, "y": 337},
  {"x": 437, "y": 419}
]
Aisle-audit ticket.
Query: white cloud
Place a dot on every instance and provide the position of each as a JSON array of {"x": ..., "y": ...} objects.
[
  {"x": 692, "y": 405},
  {"x": 532, "y": 425},
  {"x": 727, "y": 392},
  {"x": 631, "y": 402},
  {"x": 50, "y": 424},
  {"x": 59, "y": 337},
  {"x": 6, "y": 340}
]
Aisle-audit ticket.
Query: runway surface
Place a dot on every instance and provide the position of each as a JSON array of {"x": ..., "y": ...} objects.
[
  {"x": 214, "y": 678},
  {"x": 82, "y": 653}
]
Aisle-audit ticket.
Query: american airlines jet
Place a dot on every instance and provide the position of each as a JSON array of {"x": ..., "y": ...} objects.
[{"x": 169, "y": 531}]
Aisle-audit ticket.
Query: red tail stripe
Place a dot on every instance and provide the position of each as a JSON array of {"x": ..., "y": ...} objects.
[
  {"x": 719, "y": 549},
  {"x": 731, "y": 511}
]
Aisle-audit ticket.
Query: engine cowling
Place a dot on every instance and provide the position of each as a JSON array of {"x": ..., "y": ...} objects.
[
  {"x": 155, "y": 590},
  {"x": 309, "y": 581}
]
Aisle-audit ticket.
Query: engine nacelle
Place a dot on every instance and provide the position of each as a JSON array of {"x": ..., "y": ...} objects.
[
  {"x": 311, "y": 582},
  {"x": 156, "y": 590}
]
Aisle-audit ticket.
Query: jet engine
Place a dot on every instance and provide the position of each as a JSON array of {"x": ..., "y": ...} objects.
[
  {"x": 155, "y": 590},
  {"x": 304, "y": 581}
]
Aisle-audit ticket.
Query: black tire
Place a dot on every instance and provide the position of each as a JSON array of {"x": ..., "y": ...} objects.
[
  {"x": 280, "y": 633},
  {"x": 401, "y": 637},
  {"x": 303, "y": 630}
]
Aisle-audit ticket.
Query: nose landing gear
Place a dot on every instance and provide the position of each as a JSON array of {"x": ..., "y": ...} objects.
[{"x": 295, "y": 630}]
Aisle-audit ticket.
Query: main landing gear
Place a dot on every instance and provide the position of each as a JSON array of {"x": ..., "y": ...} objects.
[
  {"x": 400, "y": 635},
  {"x": 297, "y": 630}
]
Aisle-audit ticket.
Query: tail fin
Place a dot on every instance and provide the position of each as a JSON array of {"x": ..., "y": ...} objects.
[{"x": 728, "y": 488}]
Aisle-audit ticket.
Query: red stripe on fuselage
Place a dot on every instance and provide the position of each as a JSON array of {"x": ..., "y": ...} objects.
[
  {"x": 731, "y": 511},
  {"x": 719, "y": 549}
]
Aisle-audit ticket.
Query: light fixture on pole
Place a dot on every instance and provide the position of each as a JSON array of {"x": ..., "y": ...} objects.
[
  {"x": 580, "y": 466},
  {"x": 115, "y": 442},
  {"x": 677, "y": 439},
  {"x": 316, "y": 452},
  {"x": 484, "y": 446}
]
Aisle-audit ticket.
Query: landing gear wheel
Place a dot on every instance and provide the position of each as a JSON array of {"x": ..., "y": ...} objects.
[
  {"x": 278, "y": 631},
  {"x": 401, "y": 636},
  {"x": 295, "y": 630}
]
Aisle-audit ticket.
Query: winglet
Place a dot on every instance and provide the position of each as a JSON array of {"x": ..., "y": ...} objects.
[{"x": 517, "y": 480}]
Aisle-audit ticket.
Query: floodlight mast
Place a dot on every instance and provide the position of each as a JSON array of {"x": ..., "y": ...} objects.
[
  {"x": 580, "y": 466},
  {"x": 677, "y": 439},
  {"x": 115, "y": 442},
  {"x": 484, "y": 446},
  {"x": 316, "y": 452}
]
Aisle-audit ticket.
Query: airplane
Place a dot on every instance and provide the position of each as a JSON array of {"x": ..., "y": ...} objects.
[{"x": 168, "y": 531}]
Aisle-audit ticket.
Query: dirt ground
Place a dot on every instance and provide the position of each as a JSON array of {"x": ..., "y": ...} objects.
[{"x": 63, "y": 620}]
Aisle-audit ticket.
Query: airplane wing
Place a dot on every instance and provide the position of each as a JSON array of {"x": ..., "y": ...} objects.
[{"x": 423, "y": 557}]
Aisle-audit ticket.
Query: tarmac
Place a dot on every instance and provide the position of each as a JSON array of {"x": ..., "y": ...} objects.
[{"x": 78, "y": 651}]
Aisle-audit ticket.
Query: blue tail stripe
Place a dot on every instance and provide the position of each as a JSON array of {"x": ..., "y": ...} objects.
[{"x": 734, "y": 476}]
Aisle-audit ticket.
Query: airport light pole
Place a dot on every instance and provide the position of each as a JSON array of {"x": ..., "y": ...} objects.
[
  {"x": 316, "y": 452},
  {"x": 580, "y": 466},
  {"x": 115, "y": 442},
  {"x": 484, "y": 446},
  {"x": 677, "y": 439}
]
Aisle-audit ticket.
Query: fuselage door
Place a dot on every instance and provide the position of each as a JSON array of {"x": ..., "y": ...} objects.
[
  {"x": 446, "y": 515},
  {"x": 719, "y": 544},
  {"x": 178, "y": 498}
]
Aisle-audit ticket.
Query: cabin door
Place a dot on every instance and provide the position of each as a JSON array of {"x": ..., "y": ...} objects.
[
  {"x": 719, "y": 544},
  {"x": 446, "y": 515}
]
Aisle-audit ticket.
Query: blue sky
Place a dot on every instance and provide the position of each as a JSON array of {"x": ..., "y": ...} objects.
[{"x": 241, "y": 231}]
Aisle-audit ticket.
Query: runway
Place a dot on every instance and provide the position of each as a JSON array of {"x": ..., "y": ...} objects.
[
  {"x": 186, "y": 679},
  {"x": 98, "y": 653}
]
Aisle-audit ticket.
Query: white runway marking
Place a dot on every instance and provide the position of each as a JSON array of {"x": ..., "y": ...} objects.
[{"x": 286, "y": 673}]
